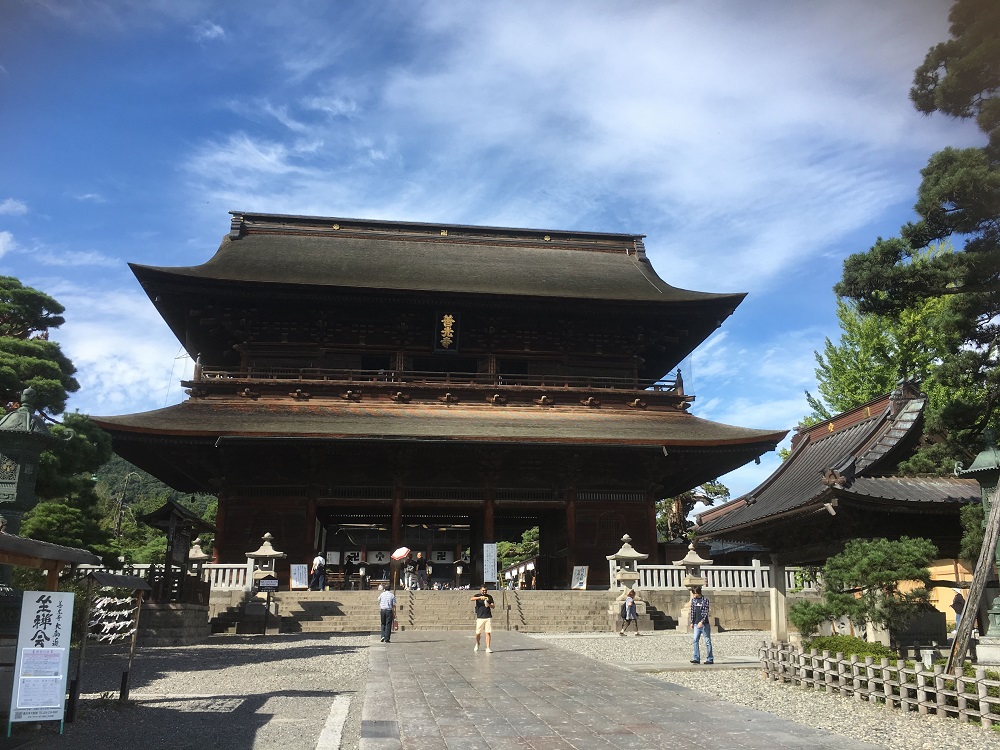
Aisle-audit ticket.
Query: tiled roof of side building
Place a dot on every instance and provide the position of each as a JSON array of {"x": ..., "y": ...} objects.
[
  {"x": 838, "y": 453},
  {"x": 399, "y": 256}
]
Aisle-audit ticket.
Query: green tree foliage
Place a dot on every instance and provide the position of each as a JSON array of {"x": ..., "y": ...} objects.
[
  {"x": 127, "y": 493},
  {"x": 27, "y": 357},
  {"x": 876, "y": 352},
  {"x": 958, "y": 199},
  {"x": 511, "y": 553},
  {"x": 672, "y": 512},
  {"x": 862, "y": 583}
]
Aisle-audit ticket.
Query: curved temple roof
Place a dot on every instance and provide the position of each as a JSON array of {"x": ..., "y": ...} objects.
[
  {"x": 846, "y": 458},
  {"x": 201, "y": 417},
  {"x": 365, "y": 254}
]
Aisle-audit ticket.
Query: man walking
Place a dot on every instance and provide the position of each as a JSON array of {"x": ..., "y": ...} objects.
[
  {"x": 700, "y": 625},
  {"x": 317, "y": 573},
  {"x": 421, "y": 571},
  {"x": 386, "y": 612},
  {"x": 484, "y": 616}
]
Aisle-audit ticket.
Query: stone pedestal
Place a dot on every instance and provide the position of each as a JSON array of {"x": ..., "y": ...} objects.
[{"x": 988, "y": 651}]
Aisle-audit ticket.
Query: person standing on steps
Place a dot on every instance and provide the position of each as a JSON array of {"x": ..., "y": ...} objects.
[
  {"x": 386, "y": 612},
  {"x": 317, "y": 573},
  {"x": 700, "y": 625},
  {"x": 484, "y": 616},
  {"x": 421, "y": 565},
  {"x": 630, "y": 614}
]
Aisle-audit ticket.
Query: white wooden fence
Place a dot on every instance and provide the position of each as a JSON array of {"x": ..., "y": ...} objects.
[
  {"x": 909, "y": 686},
  {"x": 754, "y": 577},
  {"x": 225, "y": 576}
]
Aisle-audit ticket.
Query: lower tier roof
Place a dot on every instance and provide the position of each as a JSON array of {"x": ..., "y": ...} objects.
[{"x": 349, "y": 420}]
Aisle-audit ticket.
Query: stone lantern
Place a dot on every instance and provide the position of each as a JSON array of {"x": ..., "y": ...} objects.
[
  {"x": 198, "y": 557},
  {"x": 625, "y": 572},
  {"x": 986, "y": 470},
  {"x": 23, "y": 437},
  {"x": 693, "y": 563},
  {"x": 264, "y": 558}
]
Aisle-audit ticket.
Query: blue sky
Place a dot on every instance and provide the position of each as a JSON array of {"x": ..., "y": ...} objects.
[{"x": 756, "y": 144}]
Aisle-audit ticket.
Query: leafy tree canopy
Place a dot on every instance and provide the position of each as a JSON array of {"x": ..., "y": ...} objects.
[
  {"x": 511, "y": 553},
  {"x": 863, "y": 583},
  {"x": 27, "y": 357},
  {"x": 958, "y": 200},
  {"x": 672, "y": 512}
]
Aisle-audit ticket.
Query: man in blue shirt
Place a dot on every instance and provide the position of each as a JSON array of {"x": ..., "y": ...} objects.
[{"x": 700, "y": 625}]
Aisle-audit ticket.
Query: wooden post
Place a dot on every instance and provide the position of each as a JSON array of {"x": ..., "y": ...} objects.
[{"x": 987, "y": 555}]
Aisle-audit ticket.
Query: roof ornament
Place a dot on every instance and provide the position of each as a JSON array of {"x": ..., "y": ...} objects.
[
  {"x": 592, "y": 402},
  {"x": 350, "y": 395},
  {"x": 400, "y": 398},
  {"x": 448, "y": 398},
  {"x": 833, "y": 478},
  {"x": 300, "y": 394},
  {"x": 544, "y": 401},
  {"x": 637, "y": 404},
  {"x": 498, "y": 399}
]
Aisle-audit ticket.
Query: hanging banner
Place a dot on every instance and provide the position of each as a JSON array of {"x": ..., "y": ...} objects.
[{"x": 41, "y": 666}]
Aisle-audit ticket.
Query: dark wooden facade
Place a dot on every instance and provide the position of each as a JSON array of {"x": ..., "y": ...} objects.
[{"x": 437, "y": 386}]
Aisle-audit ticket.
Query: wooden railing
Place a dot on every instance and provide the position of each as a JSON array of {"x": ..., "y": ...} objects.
[
  {"x": 416, "y": 377},
  {"x": 908, "y": 686}
]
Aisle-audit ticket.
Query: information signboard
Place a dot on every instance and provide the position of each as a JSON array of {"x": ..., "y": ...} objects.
[
  {"x": 267, "y": 584},
  {"x": 579, "y": 577},
  {"x": 490, "y": 563},
  {"x": 299, "y": 578},
  {"x": 41, "y": 665}
]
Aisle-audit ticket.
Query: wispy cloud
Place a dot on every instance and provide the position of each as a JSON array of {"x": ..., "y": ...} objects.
[
  {"x": 13, "y": 207},
  {"x": 90, "y": 197},
  {"x": 207, "y": 31},
  {"x": 76, "y": 258}
]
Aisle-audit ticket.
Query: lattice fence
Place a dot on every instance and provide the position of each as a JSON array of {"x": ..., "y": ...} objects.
[{"x": 905, "y": 685}]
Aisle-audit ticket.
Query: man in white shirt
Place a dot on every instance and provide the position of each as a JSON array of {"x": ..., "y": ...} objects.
[
  {"x": 317, "y": 573},
  {"x": 386, "y": 612}
]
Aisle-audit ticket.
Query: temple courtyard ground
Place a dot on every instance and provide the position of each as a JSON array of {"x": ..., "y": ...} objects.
[{"x": 429, "y": 690}]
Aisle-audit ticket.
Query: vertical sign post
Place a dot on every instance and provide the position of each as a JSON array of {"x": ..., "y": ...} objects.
[
  {"x": 490, "y": 563},
  {"x": 42, "y": 662}
]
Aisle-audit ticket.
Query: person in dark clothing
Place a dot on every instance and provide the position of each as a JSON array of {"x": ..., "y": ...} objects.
[
  {"x": 484, "y": 616},
  {"x": 630, "y": 614},
  {"x": 421, "y": 565},
  {"x": 700, "y": 625},
  {"x": 958, "y": 604}
]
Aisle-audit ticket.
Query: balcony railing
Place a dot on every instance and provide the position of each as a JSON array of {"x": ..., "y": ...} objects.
[{"x": 418, "y": 377}]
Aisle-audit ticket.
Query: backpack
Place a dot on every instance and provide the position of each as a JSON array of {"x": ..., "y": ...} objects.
[{"x": 624, "y": 611}]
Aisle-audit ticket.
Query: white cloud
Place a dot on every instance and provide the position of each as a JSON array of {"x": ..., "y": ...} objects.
[
  {"x": 13, "y": 207},
  {"x": 7, "y": 243},
  {"x": 90, "y": 198}
]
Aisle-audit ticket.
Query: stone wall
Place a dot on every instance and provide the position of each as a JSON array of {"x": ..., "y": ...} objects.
[
  {"x": 173, "y": 624},
  {"x": 731, "y": 610}
]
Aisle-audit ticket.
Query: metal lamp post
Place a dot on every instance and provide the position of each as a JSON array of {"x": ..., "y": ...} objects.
[{"x": 458, "y": 576}]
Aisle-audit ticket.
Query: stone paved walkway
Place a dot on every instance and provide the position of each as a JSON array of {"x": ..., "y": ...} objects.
[{"x": 428, "y": 690}]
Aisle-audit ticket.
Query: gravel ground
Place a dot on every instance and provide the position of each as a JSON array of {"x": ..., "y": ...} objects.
[
  {"x": 873, "y": 723},
  {"x": 232, "y": 692}
]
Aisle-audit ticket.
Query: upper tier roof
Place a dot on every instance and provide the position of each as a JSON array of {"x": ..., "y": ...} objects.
[{"x": 406, "y": 256}]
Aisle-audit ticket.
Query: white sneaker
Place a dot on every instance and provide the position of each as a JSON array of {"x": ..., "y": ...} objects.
[
  {"x": 489, "y": 651},
  {"x": 476, "y": 647}
]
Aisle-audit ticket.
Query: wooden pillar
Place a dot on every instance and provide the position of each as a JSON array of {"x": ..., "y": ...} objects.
[
  {"x": 310, "y": 530},
  {"x": 779, "y": 603},
  {"x": 652, "y": 538},
  {"x": 52, "y": 576},
  {"x": 489, "y": 510},
  {"x": 220, "y": 525},
  {"x": 397, "y": 515},
  {"x": 570, "y": 529}
]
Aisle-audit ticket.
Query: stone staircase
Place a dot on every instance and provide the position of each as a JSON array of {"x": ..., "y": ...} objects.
[{"x": 357, "y": 611}]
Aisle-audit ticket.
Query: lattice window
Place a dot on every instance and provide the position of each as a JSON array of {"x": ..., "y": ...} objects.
[
  {"x": 610, "y": 530},
  {"x": 8, "y": 469}
]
